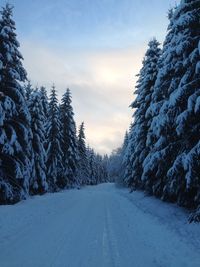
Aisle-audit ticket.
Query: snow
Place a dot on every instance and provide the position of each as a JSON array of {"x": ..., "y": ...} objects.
[
  {"x": 197, "y": 105},
  {"x": 197, "y": 71},
  {"x": 97, "y": 226},
  {"x": 199, "y": 47}
]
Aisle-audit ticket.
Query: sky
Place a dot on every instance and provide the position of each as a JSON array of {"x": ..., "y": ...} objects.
[{"x": 95, "y": 48}]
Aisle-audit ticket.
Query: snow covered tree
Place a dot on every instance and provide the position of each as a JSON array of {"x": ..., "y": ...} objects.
[
  {"x": 156, "y": 164},
  {"x": 105, "y": 177},
  {"x": 38, "y": 183},
  {"x": 69, "y": 140},
  {"x": 171, "y": 167},
  {"x": 139, "y": 130},
  {"x": 126, "y": 140},
  {"x": 115, "y": 164},
  {"x": 45, "y": 106},
  {"x": 91, "y": 166},
  {"x": 44, "y": 100},
  {"x": 182, "y": 106},
  {"x": 83, "y": 172},
  {"x": 54, "y": 151},
  {"x": 28, "y": 91},
  {"x": 97, "y": 168},
  {"x": 101, "y": 169},
  {"x": 15, "y": 117}
]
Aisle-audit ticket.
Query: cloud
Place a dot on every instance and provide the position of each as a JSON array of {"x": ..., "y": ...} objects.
[{"x": 102, "y": 82}]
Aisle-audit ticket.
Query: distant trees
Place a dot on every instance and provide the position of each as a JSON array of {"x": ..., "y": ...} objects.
[
  {"x": 162, "y": 155},
  {"x": 97, "y": 168},
  {"x": 92, "y": 168},
  {"x": 117, "y": 163}
]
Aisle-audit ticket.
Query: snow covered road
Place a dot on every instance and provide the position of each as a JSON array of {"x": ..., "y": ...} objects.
[{"x": 97, "y": 226}]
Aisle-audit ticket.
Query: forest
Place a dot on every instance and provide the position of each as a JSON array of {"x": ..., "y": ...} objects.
[
  {"x": 40, "y": 150},
  {"x": 62, "y": 202},
  {"x": 161, "y": 150}
]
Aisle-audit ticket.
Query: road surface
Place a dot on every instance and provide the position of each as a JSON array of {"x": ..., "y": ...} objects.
[{"x": 97, "y": 226}]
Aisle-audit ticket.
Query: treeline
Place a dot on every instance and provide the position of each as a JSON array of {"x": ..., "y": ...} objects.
[
  {"x": 162, "y": 155},
  {"x": 40, "y": 150}
]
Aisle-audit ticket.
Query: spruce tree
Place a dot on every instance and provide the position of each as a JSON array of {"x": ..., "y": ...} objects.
[
  {"x": 156, "y": 163},
  {"x": 127, "y": 157},
  {"x": 183, "y": 179},
  {"x": 91, "y": 166},
  {"x": 44, "y": 100},
  {"x": 139, "y": 130},
  {"x": 28, "y": 91},
  {"x": 38, "y": 178},
  {"x": 173, "y": 161},
  {"x": 83, "y": 159},
  {"x": 15, "y": 117},
  {"x": 125, "y": 142},
  {"x": 45, "y": 106},
  {"x": 69, "y": 140},
  {"x": 54, "y": 151}
]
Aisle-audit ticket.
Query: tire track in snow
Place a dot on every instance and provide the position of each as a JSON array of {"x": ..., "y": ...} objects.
[{"x": 110, "y": 245}]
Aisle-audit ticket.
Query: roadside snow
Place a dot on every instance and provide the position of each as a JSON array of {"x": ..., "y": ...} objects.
[{"x": 97, "y": 226}]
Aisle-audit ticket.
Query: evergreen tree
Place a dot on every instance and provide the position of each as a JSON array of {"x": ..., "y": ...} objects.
[
  {"x": 139, "y": 130},
  {"x": 54, "y": 151},
  {"x": 174, "y": 161},
  {"x": 91, "y": 166},
  {"x": 83, "y": 159},
  {"x": 15, "y": 117},
  {"x": 127, "y": 157},
  {"x": 183, "y": 179},
  {"x": 44, "y": 100},
  {"x": 116, "y": 165},
  {"x": 38, "y": 180},
  {"x": 28, "y": 91},
  {"x": 69, "y": 140},
  {"x": 101, "y": 175},
  {"x": 105, "y": 168},
  {"x": 155, "y": 166},
  {"x": 45, "y": 106},
  {"x": 126, "y": 141}
]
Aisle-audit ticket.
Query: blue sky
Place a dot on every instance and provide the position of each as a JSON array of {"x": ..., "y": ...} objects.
[{"x": 95, "y": 47}]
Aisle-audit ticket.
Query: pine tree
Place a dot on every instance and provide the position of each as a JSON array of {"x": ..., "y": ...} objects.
[
  {"x": 172, "y": 164},
  {"x": 139, "y": 131},
  {"x": 101, "y": 169},
  {"x": 105, "y": 168},
  {"x": 182, "y": 107},
  {"x": 38, "y": 180},
  {"x": 116, "y": 165},
  {"x": 15, "y": 117},
  {"x": 127, "y": 157},
  {"x": 154, "y": 165},
  {"x": 69, "y": 140},
  {"x": 45, "y": 106},
  {"x": 44, "y": 100},
  {"x": 83, "y": 160},
  {"x": 54, "y": 151},
  {"x": 91, "y": 166},
  {"x": 28, "y": 91},
  {"x": 126, "y": 140}
]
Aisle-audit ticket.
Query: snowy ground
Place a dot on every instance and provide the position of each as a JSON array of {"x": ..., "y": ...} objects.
[{"x": 97, "y": 226}]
